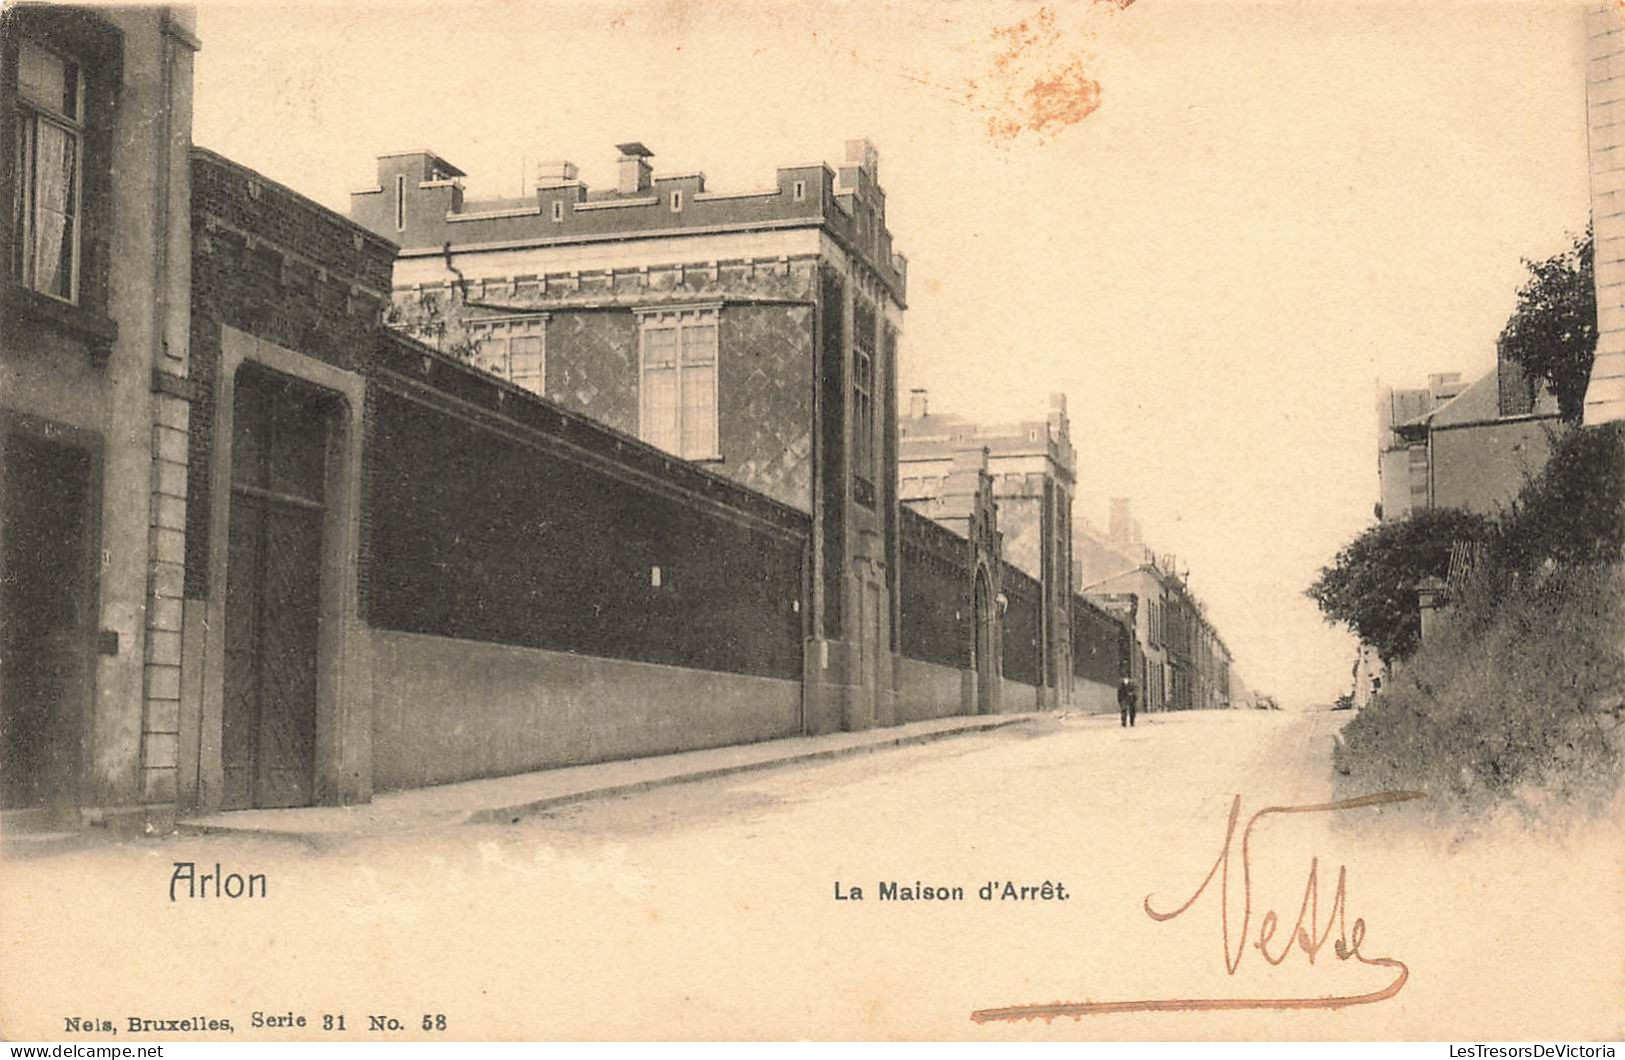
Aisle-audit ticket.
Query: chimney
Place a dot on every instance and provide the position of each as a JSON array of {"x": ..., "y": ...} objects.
[
  {"x": 1120, "y": 528},
  {"x": 916, "y": 403},
  {"x": 1060, "y": 427},
  {"x": 635, "y": 172},
  {"x": 862, "y": 153},
  {"x": 553, "y": 174}
]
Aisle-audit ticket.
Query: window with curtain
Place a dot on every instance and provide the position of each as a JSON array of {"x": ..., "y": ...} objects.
[
  {"x": 46, "y": 161},
  {"x": 678, "y": 392},
  {"x": 514, "y": 348}
]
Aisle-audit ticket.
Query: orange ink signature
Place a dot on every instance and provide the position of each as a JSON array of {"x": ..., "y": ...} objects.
[{"x": 1305, "y": 934}]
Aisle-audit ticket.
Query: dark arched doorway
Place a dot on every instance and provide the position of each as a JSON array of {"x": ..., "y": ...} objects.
[{"x": 982, "y": 646}]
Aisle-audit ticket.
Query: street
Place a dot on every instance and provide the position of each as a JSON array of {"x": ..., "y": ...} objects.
[{"x": 709, "y": 909}]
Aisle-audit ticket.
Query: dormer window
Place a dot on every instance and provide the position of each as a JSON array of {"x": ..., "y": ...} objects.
[{"x": 48, "y": 156}]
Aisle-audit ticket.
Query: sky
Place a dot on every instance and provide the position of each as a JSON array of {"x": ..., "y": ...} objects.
[{"x": 1215, "y": 227}]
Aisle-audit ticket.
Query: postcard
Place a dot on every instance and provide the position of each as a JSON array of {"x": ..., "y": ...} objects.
[{"x": 991, "y": 521}]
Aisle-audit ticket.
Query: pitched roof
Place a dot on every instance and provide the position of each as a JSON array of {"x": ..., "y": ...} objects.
[{"x": 1481, "y": 403}]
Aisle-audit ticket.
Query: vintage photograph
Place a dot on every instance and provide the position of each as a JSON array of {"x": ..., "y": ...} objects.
[{"x": 997, "y": 520}]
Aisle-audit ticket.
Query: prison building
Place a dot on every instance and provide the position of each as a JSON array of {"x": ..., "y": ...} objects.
[
  {"x": 751, "y": 332},
  {"x": 1034, "y": 471}
]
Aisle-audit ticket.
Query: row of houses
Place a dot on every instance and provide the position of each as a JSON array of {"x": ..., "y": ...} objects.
[
  {"x": 298, "y": 507},
  {"x": 1171, "y": 649}
]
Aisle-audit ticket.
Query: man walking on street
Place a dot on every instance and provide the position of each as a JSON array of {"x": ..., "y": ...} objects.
[{"x": 1126, "y": 701}]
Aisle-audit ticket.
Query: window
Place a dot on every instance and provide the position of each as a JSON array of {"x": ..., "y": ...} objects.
[
  {"x": 558, "y": 210},
  {"x": 677, "y": 406},
  {"x": 676, "y": 202},
  {"x": 514, "y": 348},
  {"x": 47, "y": 159},
  {"x": 863, "y": 389},
  {"x": 400, "y": 203},
  {"x": 798, "y": 191}
]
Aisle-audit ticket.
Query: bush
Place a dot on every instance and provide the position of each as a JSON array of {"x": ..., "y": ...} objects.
[
  {"x": 1517, "y": 696},
  {"x": 1371, "y": 585},
  {"x": 1573, "y": 512}
]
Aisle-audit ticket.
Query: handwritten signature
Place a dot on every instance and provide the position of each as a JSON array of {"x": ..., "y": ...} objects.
[{"x": 1306, "y": 933}]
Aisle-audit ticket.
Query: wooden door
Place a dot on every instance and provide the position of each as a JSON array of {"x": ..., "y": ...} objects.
[
  {"x": 273, "y": 591},
  {"x": 47, "y": 620}
]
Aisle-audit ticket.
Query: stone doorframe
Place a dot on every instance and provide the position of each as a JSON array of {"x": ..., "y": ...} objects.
[
  {"x": 343, "y": 766},
  {"x": 986, "y": 679}
]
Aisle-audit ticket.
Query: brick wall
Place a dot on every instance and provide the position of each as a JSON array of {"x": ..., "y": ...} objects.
[
  {"x": 1023, "y": 629},
  {"x": 1100, "y": 644},
  {"x": 269, "y": 262},
  {"x": 936, "y": 590},
  {"x": 1515, "y": 392},
  {"x": 245, "y": 201},
  {"x": 518, "y": 524}
]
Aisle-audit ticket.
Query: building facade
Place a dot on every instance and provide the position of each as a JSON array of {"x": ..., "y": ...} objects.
[
  {"x": 1184, "y": 663},
  {"x": 1403, "y": 483},
  {"x": 93, "y": 415},
  {"x": 1477, "y": 449},
  {"x": 752, "y": 332},
  {"x": 1402, "y": 464},
  {"x": 1034, "y": 470},
  {"x": 1605, "y": 106},
  {"x": 1453, "y": 444},
  {"x": 402, "y": 570}
]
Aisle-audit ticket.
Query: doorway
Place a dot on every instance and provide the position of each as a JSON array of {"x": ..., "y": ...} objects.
[
  {"x": 982, "y": 646},
  {"x": 48, "y": 532},
  {"x": 281, "y": 435}
]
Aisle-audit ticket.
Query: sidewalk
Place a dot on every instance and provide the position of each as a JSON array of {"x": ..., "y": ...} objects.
[{"x": 513, "y": 798}]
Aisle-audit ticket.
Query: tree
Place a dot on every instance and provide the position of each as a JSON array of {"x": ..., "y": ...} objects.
[
  {"x": 1552, "y": 334},
  {"x": 1371, "y": 585}
]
